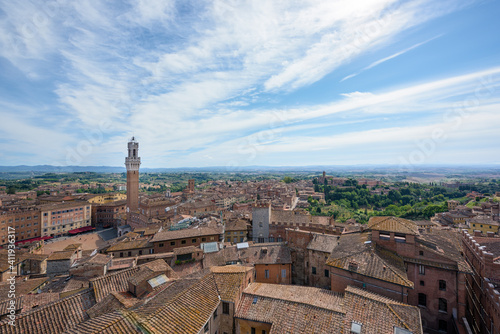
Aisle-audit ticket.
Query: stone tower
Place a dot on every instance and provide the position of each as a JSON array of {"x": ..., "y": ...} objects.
[
  {"x": 191, "y": 185},
  {"x": 261, "y": 217},
  {"x": 132, "y": 162}
]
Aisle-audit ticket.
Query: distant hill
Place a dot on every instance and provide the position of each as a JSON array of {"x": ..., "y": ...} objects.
[{"x": 252, "y": 169}]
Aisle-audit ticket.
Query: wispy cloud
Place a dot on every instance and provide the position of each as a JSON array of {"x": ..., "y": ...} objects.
[
  {"x": 397, "y": 54},
  {"x": 193, "y": 80}
]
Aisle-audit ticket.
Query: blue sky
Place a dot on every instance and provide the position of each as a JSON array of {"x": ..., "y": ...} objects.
[{"x": 239, "y": 83}]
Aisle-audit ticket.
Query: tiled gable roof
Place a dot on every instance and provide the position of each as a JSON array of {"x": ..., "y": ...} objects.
[
  {"x": 229, "y": 285},
  {"x": 111, "y": 323},
  {"x": 323, "y": 242},
  {"x": 288, "y": 316},
  {"x": 106, "y": 284},
  {"x": 22, "y": 287},
  {"x": 393, "y": 224},
  {"x": 379, "y": 314},
  {"x": 446, "y": 244},
  {"x": 373, "y": 262},
  {"x": 188, "y": 311},
  {"x": 269, "y": 254},
  {"x": 118, "y": 281},
  {"x": 52, "y": 318}
]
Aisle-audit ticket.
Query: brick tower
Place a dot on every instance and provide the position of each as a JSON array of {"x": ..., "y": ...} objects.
[{"x": 132, "y": 162}]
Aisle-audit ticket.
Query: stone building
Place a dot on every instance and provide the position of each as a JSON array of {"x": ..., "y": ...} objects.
[
  {"x": 167, "y": 241},
  {"x": 24, "y": 220},
  {"x": 483, "y": 288},
  {"x": 394, "y": 259},
  {"x": 59, "y": 219}
]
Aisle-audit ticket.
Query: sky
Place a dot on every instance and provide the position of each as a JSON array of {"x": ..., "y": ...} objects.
[{"x": 242, "y": 83}]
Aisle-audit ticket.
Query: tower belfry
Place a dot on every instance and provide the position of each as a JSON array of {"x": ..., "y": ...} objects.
[{"x": 132, "y": 163}]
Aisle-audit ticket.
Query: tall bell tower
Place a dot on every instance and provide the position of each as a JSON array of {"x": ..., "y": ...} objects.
[{"x": 132, "y": 162}]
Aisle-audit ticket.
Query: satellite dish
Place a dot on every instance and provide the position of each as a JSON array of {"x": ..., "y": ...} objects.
[{"x": 167, "y": 209}]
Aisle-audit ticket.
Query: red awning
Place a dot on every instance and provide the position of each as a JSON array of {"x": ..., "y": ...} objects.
[
  {"x": 81, "y": 229},
  {"x": 33, "y": 240}
]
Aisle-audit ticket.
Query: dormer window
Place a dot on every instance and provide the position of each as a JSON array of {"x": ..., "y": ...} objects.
[{"x": 356, "y": 327}]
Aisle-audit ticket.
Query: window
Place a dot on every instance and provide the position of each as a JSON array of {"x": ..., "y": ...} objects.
[
  {"x": 194, "y": 240},
  {"x": 422, "y": 283},
  {"x": 283, "y": 273},
  {"x": 421, "y": 253},
  {"x": 160, "y": 244},
  {"x": 327, "y": 273},
  {"x": 314, "y": 270},
  {"x": 422, "y": 299},
  {"x": 263, "y": 331},
  {"x": 266, "y": 273},
  {"x": 241, "y": 239},
  {"x": 225, "y": 308},
  {"x": 442, "y": 285},
  {"x": 421, "y": 270},
  {"x": 206, "y": 327},
  {"x": 443, "y": 326},
  {"x": 183, "y": 242},
  {"x": 253, "y": 330},
  {"x": 121, "y": 254},
  {"x": 215, "y": 313},
  {"x": 172, "y": 243},
  {"x": 203, "y": 239},
  {"x": 271, "y": 239},
  {"x": 260, "y": 224},
  {"x": 129, "y": 253},
  {"x": 443, "y": 305}
]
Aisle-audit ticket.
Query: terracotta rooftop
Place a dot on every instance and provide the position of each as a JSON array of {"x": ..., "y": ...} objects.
[
  {"x": 379, "y": 314},
  {"x": 299, "y": 294},
  {"x": 177, "y": 316},
  {"x": 270, "y": 254},
  {"x": 129, "y": 245},
  {"x": 323, "y": 242},
  {"x": 117, "y": 281},
  {"x": 22, "y": 287},
  {"x": 288, "y": 316},
  {"x": 187, "y": 250},
  {"x": 290, "y": 310},
  {"x": 61, "y": 255},
  {"x": 186, "y": 233},
  {"x": 369, "y": 260},
  {"x": 393, "y": 224},
  {"x": 55, "y": 317},
  {"x": 446, "y": 244},
  {"x": 72, "y": 247}
]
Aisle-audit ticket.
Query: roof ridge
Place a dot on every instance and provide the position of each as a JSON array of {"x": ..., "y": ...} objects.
[
  {"x": 297, "y": 302},
  {"x": 397, "y": 315},
  {"x": 389, "y": 265},
  {"x": 95, "y": 279},
  {"x": 177, "y": 296},
  {"x": 380, "y": 299}
]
